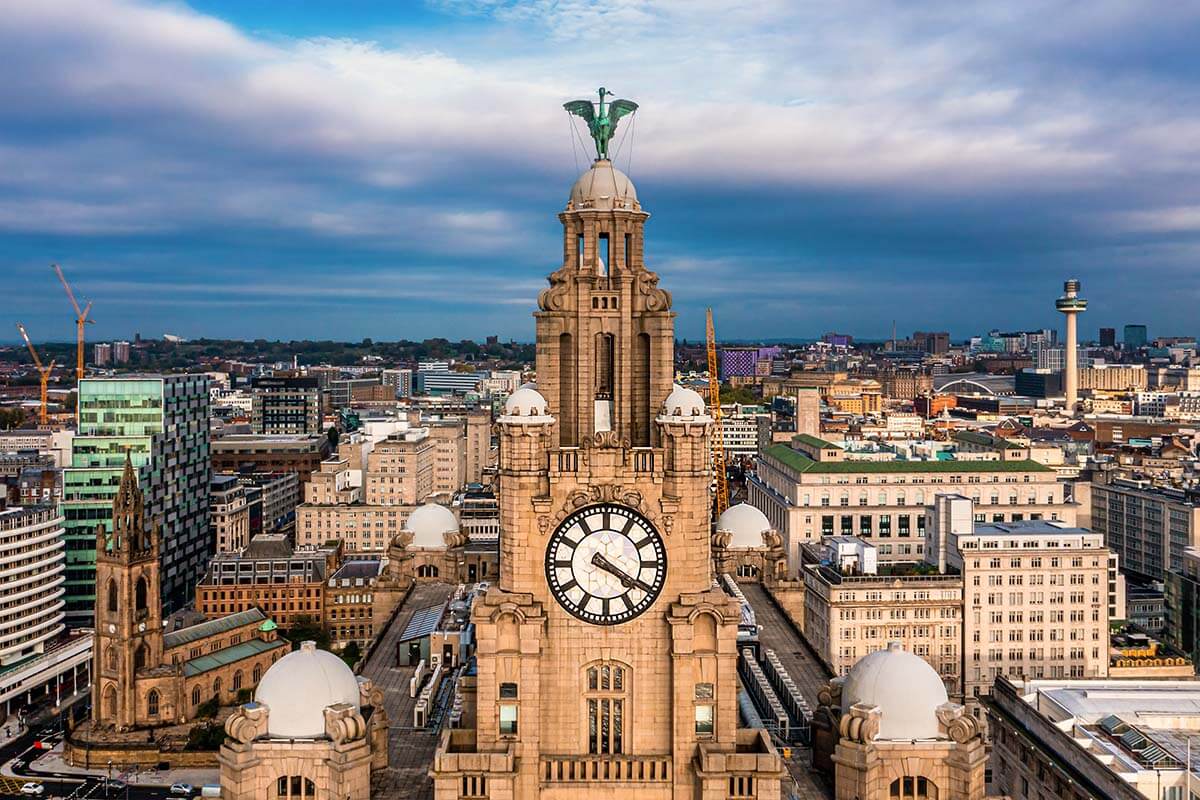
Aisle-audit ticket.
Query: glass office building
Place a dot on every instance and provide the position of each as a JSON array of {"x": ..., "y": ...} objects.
[{"x": 162, "y": 421}]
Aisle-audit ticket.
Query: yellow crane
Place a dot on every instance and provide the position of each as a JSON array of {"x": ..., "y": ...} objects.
[
  {"x": 43, "y": 372},
  {"x": 81, "y": 319},
  {"x": 721, "y": 499}
]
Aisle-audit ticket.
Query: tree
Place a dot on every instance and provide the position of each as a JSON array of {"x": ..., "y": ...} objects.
[
  {"x": 351, "y": 654},
  {"x": 307, "y": 629},
  {"x": 737, "y": 394},
  {"x": 333, "y": 435}
]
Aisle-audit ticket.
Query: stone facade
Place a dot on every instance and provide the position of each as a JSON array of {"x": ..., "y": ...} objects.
[{"x": 574, "y": 695}]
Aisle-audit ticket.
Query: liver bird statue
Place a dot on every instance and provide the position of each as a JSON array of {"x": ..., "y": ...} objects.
[{"x": 601, "y": 118}]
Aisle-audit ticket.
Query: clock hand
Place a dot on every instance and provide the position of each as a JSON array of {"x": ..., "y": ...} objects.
[{"x": 598, "y": 560}]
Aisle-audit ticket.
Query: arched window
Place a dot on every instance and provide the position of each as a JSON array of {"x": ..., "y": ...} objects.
[
  {"x": 217, "y": 688},
  {"x": 112, "y": 596},
  {"x": 237, "y": 681},
  {"x": 257, "y": 673},
  {"x": 110, "y": 658},
  {"x": 295, "y": 787},
  {"x": 139, "y": 601},
  {"x": 139, "y": 658},
  {"x": 110, "y": 704},
  {"x": 152, "y": 703},
  {"x": 605, "y": 688},
  {"x": 196, "y": 696},
  {"x": 913, "y": 788}
]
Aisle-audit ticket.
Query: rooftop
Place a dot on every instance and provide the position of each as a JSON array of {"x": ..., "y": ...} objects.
[
  {"x": 252, "y": 616},
  {"x": 228, "y": 656},
  {"x": 802, "y": 463},
  {"x": 1028, "y": 527},
  {"x": 814, "y": 441}
]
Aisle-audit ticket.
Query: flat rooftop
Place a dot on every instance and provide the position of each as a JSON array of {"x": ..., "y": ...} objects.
[{"x": 1028, "y": 527}]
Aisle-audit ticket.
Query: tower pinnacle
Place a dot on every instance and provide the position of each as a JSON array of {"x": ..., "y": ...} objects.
[{"x": 1071, "y": 304}]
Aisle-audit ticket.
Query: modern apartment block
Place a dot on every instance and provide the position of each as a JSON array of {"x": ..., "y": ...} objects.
[
  {"x": 1149, "y": 527},
  {"x": 286, "y": 405},
  {"x": 162, "y": 422},
  {"x": 400, "y": 469},
  {"x": 812, "y": 489},
  {"x": 1036, "y": 596},
  {"x": 852, "y": 607}
]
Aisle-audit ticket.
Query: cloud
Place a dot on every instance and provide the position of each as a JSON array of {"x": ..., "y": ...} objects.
[{"x": 795, "y": 154}]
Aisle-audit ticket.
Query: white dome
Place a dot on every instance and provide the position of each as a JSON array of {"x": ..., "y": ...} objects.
[
  {"x": 604, "y": 186},
  {"x": 429, "y": 525},
  {"x": 299, "y": 687},
  {"x": 683, "y": 402},
  {"x": 747, "y": 525},
  {"x": 907, "y": 690},
  {"x": 526, "y": 402}
]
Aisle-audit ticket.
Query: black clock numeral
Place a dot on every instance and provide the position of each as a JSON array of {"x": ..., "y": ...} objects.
[
  {"x": 649, "y": 564},
  {"x": 563, "y": 563},
  {"x": 569, "y": 585},
  {"x": 643, "y": 543}
]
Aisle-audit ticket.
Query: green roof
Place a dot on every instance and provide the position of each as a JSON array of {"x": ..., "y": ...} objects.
[
  {"x": 813, "y": 441},
  {"x": 193, "y": 633},
  {"x": 229, "y": 655},
  {"x": 802, "y": 463}
]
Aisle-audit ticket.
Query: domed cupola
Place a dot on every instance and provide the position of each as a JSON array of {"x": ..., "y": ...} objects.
[
  {"x": 684, "y": 405},
  {"x": 746, "y": 526},
  {"x": 907, "y": 691},
  {"x": 299, "y": 687},
  {"x": 433, "y": 527}
]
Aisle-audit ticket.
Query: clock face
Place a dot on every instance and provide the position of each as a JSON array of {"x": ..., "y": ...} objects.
[{"x": 606, "y": 564}]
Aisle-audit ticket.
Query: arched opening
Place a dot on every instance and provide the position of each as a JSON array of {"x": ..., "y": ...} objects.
[
  {"x": 195, "y": 695},
  {"x": 140, "y": 593},
  {"x": 257, "y": 673},
  {"x": 704, "y": 633},
  {"x": 913, "y": 788},
  {"x": 747, "y": 571},
  {"x": 110, "y": 704},
  {"x": 217, "y": 688},
  {"x": 641, "y": 391},
  {"x": 140, "y": 656},
  {"x": 110, "y": 658},
  {"x": 237, "y": 681},
  {"x": 567, "y": 399},
  {"x": 152, "y": 703},
  {"x": 112, "y": 596},
  {"x": 606, "y": 686}
]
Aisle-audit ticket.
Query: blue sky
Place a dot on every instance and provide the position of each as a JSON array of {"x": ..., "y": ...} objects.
[{"x": 255, "y": 168}]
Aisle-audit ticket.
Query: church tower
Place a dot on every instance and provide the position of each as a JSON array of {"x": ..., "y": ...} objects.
[
  {"x": 606, "y": 657},
  {"x": 129, "y": 635}
]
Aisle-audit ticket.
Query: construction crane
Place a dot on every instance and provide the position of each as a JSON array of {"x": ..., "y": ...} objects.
[
  {"x": 721, "y": 499},
  {"x": 43, "y": 372},
  {"x": 81, "y": 319}
]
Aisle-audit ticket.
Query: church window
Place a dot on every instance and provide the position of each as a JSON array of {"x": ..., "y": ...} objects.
[
  {"x": 139, "y": 658},
  {"x": 140, "y": 595},
  {"x": 237, "y": 681},
  {"x": 217, "y": 688},
  {"x": 605, "y": 703},
  {"x": 152, "y": 703},
  {"x": 257, "y": 673},
  {"x": 110, "y": 658},
  {"x": 196, "y": 696},
  {"x": 112, "y": 596}
]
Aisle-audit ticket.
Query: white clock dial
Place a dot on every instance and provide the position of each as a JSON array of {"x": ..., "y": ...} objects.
[{"x": 606, "y": 564}]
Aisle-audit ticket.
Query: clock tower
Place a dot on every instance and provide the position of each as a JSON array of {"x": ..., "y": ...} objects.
[{"x": 606, "y": 657}]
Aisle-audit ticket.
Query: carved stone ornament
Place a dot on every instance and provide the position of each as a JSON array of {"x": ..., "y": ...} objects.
[
  {"x": 603, "y": 439},
  {"x": 860, "y": 723},
  {"x": 655, "y": 299},
  {"x": 959, "y": 725},
  {"x": 343, "y": 723},
  {"x": 830, "y": 695},
  {"x": 601, "y": 493},
  {"x": 247, "y": 723},
  {"x": 721, "y": 540},
  {"x": 554, "y": 298}
]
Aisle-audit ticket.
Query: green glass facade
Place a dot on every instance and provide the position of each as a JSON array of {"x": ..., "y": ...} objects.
[{"x": 162, "y": 421}]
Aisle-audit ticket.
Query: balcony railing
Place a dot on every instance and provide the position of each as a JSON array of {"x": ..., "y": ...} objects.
[{"x": 606, "y": 769}]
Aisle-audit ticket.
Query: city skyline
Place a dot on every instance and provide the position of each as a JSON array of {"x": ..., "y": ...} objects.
[{"x": 222, "y": 170}]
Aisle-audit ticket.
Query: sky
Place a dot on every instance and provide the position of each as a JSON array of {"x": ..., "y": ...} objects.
[{"x": 288, "y": 169}]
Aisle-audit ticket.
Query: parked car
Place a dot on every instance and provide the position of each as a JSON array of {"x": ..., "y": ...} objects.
[
  {"x": 184, "y": 789},
  {"x": 31, "y": 788}
]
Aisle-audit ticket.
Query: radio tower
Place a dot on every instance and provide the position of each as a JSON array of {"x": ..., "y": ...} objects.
[{"x": 1071, "y": 304}]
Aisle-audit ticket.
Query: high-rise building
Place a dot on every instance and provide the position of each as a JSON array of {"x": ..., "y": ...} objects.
[
  {"x": 1108, "y": 337},
  {"x": 401, "y": 380},
  {"x": 120, "y": 352},
  {"x": 1135, "y": 336},
  {"x": 1149, "y": 527},
  {"x": 161, "y": 421},
  {"x": 102, "y": 354},
  {"x": 605, "y": 656},
  {"x": 286, "y": 406},
  {"x": 936, "y": 343}
]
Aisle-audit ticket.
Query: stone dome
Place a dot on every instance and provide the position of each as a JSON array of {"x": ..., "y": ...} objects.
[
  {"x": 429, "y": 525},
  {"x": 907, "y": 690},
  {"x": 683, "y": 402},
  {"x": 746, "y": 523},
  {"x": 603, "y": 186},
  {"x": 299, "y": 687},
  {"x": 526, "y": 402}
]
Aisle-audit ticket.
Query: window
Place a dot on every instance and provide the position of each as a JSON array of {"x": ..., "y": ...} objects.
[
  {"x": 237, "y": 681},
  {"x": 605, "y": 702},
  {"x": 508, "y": 719},
  {"x": 508, "y": 691},
  {"x": 704, "y": 720},
  {"x": 295, "y": 786},
  {"x": 112, "y": 595},
  {"x": 152, "y": 703},
  {"x": 196, "y": 696},
  {"x": 257, "y": 673},
  {"x": 910, "y": 788}
]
